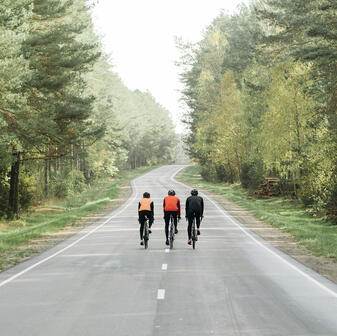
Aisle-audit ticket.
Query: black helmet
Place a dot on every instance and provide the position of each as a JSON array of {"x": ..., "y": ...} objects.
[
  {"x": 146, "y": 195},
  {"x": 194, "y": 192},
  {"x": 171, "y": 192}
]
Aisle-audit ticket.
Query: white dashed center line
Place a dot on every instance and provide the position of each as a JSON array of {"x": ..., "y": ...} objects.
[
  {"x": 167, "y": 250},
  {"x": 164, "y": 267},
  {"x": 161, "y": 294}
]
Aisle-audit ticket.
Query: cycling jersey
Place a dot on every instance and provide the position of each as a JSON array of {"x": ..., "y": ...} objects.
[
  {"x": 172, "y": 203},
  {"x": 145, "y": 204},
  {"x": 194, "y": 204}
]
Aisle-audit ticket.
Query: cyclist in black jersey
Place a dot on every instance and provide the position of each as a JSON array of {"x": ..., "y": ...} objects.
[{"x": 194, "y": 208}]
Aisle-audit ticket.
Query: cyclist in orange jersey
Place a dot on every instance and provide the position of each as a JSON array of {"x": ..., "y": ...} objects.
[
  {"x": 171, "y": 206},
  {"x": 145, "y": 209}
]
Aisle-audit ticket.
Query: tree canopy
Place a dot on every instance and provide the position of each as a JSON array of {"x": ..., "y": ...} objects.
[
  {"x": 270, "y": 109},
  {"x": 64, "y": 113}
]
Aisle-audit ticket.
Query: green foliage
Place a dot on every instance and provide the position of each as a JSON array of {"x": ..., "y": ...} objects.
[
  {"x": 27, "y": 191},
  {"x": 252, "y": 174},
  {"x": 317, "y": 234},
  {"x": 271, "y": 109},
  {"x": 66, "y": 184},
  {"x": 4, "y": 194},
  {"x": 63, "y": 109},
  {"x": 65, "y": 213}
]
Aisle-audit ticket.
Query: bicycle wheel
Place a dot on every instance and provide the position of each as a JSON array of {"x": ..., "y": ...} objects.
[
  {"x": 194, "y": 235},
  {"x": 171, "y": 233},
  {"x": 146, "y": 235}
]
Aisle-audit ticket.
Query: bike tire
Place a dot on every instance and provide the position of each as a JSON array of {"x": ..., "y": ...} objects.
[
  {"x": 194, "y": 235},
  {"x": 171, "y": 238},
  {"x": 171, "y": 233},
  {"x": 146, "y": 236}
]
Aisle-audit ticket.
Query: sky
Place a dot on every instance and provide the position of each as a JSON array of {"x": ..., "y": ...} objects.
[{"x": 140, "y": 37}]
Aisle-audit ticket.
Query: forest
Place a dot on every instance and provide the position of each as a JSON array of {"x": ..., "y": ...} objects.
[
  {"x": 260, "y": 91},
  {"x": 66, "y": 118}
]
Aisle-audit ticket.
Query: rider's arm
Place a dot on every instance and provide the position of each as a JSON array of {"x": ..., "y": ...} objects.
[
  {"x": 202, "y": 206},
  {"x": 178, "y": 204},
  {"x": 152, "y": 209},
  {"x": 186, "y": 206}
]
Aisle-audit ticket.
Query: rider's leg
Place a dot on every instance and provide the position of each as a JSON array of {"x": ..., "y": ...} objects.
[
  {"x": 167, "y": 223},
  {"x": 141, "y": 222},
  {"x": 151, "y": 219},
  {"x": 141, "y": 230},
  {"x": 197, "y": 217},
  {"x": 189, "y": 227},
  {"x": 175, "y": 218}
]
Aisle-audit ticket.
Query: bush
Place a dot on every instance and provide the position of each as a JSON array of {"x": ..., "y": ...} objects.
[
  {"x": 252, "y": 174},
  {"x": 319, "y": 191},
  {"x": 208, "y": 172},
  {"x": 65, "y": 184},
  {"x": 4, "y": 194},
  {"x": 77, "y": 181},
  {"x": 27, "y": 191}
]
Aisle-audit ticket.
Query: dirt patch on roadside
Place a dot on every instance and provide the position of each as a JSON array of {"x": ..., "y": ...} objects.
[
  {"x": 281, "y": 240},
  {"x": 19, "y": 254}
]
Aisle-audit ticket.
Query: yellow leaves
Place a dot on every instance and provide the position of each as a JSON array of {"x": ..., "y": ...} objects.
[
  {"x": 218, "y": 136},
  {"x": 218, "y": 42},
  {"x": 284, "y": 123}
]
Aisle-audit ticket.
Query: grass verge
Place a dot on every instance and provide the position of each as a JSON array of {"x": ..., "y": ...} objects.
[
  {"x": 316, "y": 234},
  {"x": 53, "y": 217}
]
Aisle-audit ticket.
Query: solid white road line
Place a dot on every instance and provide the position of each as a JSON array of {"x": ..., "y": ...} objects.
[
  {"x": 161, "y": 294},
  {"x": 164, "y": 267},
  {"x": 135, "y": 192},
  {"x": 235, "y": 222}
]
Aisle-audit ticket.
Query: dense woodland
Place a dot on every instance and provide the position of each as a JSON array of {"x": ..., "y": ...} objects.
[
  {"x": 261, "y": 92},
  {"x": 66, "y": 119}
]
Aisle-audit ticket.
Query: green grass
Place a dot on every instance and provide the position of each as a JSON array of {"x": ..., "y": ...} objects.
[
  {"x": 317, "y": 234},
  {"x": 61, "y": 214}
]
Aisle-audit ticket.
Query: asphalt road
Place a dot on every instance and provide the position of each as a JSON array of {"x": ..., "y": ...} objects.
[{"x": 102, "y": 282}]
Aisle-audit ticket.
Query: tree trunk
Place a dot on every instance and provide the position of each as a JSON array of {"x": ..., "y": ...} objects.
[{"x": 13, "y": 204}]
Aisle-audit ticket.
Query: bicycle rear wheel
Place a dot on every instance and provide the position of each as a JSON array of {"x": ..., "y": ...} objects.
[
  {"x": 171, "y": 233},
  {"x": 194, "y": 235},
  {"x": 146, "y": 235}
]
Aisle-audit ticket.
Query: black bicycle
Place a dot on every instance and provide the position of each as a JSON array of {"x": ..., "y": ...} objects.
[
  {"x": 146, "y": 233},
  {"x": 171, "y": 232},
  {"x": 194, "y": 235}
]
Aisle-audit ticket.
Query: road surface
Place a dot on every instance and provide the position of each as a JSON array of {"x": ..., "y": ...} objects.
[{"x": 102, "y": 282}]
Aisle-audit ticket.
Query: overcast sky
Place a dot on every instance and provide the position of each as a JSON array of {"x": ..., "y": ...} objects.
[{"x": 139, "y": 35}]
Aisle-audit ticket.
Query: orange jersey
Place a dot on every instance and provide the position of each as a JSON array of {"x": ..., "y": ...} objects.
[
  {"x": 145, "y": 204},
  {"x": 172, "y": 203}
]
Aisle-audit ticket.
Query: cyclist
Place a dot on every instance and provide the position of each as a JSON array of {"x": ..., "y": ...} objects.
[
  {"x": 194, "y": 208},
  {"x": 171, "y": 206},
  {"x": 145, "y": 209}
]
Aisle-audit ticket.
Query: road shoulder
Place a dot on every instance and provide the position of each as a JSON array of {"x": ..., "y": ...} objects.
[
  {"x": 36, "y": 246},
  {"x": 277, "y": 238}
]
